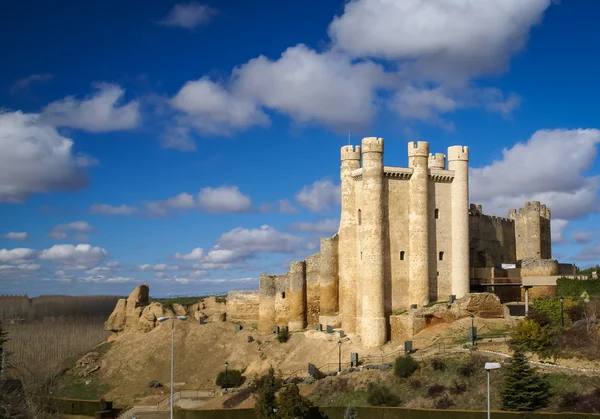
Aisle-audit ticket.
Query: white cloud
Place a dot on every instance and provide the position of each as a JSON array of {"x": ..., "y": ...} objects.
[
  {"x": 105, "y": 279},
  {"x": 550, "y": 167},
  {"x": 61, "y": 231},
  {"x": 211, "y": 109},
  {"x": 557, "y": 227},
  {"x": 17, "y": 255},
  {"x": 286, "y": 207},
  {"x": 178, "y": 137},
  {"x": 25, "y": 82},
  {"x": 9, "y": 269},
  {"x": 441, "y": 38},
  {"x": 82, "y": 255},
  {"x": 106, "y": 209},
  {"x": 100, "y": 112},
  {"x": 158, "y": 267},
  {"x": 224, "y": 199},
  {"x": 195, "y": 254},
  {"x": 583, "y": 237},
  {"x": 189, "y": 15},
  {"x": 320, "y": 196},
  {"x": 35, "y": 158},
  {"x": 16, "y": 236},
  {"x": 328, "y": 226}
]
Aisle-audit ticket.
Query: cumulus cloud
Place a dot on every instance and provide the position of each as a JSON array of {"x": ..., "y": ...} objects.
[
  {"x": 100, "y": 112},
  {"x": 328, "y": 226},
  {"x": 80, "y": 255},
  {"x": 224, "y": 199},
  {"x": 26, "y": 82},
  {"x": 17, "y": 255},
  {"x": 557, "y": 226},
  {"x": 105, "y": 279},
  {"x": 106, "y": 209},
  {"x": 189, "y": 15},
  {"x": 35, "y": 158},
  {"x": 62, "y": 231},
  {"x": 157, "y": 268},
  {"x": 320, "y": 196},
  {"x": 286, "y": 207},
  {"x": 16, "y": 236},
  {"x": 550, "y": 167},
  {"x": 583, "y": 237}
]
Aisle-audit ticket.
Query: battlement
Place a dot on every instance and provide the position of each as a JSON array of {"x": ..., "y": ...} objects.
[
  {"x": 458, "y": 152},
  {"x": 418, "y": 149},
  {"x": 350, "y": 152},
  {"x": 512, "y": 214},
  {"x": 437, "y": 161},
  {"x": 530, "y": 206},
  {"x": 545, "y": 212},
  {"x": 476, "y": 209},
  {"x": 372, "y": 145}
]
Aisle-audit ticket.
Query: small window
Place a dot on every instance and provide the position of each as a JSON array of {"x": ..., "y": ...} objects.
[
  {"x": 402, "y": 255},
  {"x": 438, "y": 273},
  {"x": 360, "y": 255},
  {"x": 437, "y": 213},
  {"x": 441, "y": 255},
  {"x": 359, "y": 217},
  {"x": 283, "y": 295}
]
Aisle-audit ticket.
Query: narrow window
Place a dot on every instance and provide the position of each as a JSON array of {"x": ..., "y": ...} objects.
[
  {"x": 283, "y": 295},
  {"x": 441, "y": 255},
  {"x": 437, "y": 213},
  {"x": 438, "y": 273},
  {"x": 402, "y": 255},
  {"x": 360, "y": 255},
  {"x": 359, "y": 217}
]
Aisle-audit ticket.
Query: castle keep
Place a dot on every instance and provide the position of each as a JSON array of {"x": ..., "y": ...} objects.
[{"x": 407, "y": 236}]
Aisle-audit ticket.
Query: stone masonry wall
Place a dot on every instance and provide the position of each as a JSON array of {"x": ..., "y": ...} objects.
[
  {"x": 242, "y": 306},
  {"x": 492, "y": 239}
]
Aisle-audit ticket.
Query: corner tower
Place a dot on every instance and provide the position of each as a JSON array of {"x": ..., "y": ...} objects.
[
  {"x": 347, "y": 244},
  {"x": 458, "y": 161},
  {"x": 373, "y": 323},
  {"x": 418, "y": 223}
]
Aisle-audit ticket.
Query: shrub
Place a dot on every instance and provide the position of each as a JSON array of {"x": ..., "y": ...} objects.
[
  {"x": 575, "y": 287},
  {"x": 283, "y": 336},
  {"x": 444, "y": 402},
  {"x": 458, "y": 387},
  {"x": 552, "y": 307},
  {"x": 415, "y": 384},
  {"x": 435, "y": 390},
  {"x": 438, "y": 364},
  {"x": 265, "y": 402},
  {"x": 292, "y": 404},
  {"x": 234, "y": 379},
  {"x": 466, "y": 370},
  {"x": 531, "y": 336},
  {"x": 539, "y": 317},
  {"x": 524, "y": 388},
  {"x": 405, "y": 366},
  {"x": 379, "y": 395},
  {"x": 350, "y": 413},
  {"x": 580, "y": 403}
]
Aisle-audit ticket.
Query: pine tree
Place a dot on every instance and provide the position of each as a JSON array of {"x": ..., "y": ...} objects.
[
  {"x": 292, "y": 404},
  {"x": 524, "y": 388},
  {"x": 265, "y": 403}
]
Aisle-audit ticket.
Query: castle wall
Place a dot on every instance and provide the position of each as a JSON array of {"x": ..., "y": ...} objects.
[
  {"x": 242, "y": 306},
  {"x": 492, "y": 240},
  {"x": 440, "y": 271},
  {"x": 313, "y": 289},
  {"x": 296, "y": 296}
]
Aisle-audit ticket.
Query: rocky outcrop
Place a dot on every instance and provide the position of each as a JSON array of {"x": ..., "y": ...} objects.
[
  {"x": 179, "y": 310},
  {"x": 486, "y": 305},
  {"x": 116, "y": 320},
  {"x": 87, "y": 364}
]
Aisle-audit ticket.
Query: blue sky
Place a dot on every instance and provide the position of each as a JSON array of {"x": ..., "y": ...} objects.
[{"x": 193, "y": 146}]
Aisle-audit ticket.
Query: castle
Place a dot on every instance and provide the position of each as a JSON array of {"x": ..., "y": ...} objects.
[{"x": 407, "y": 237}]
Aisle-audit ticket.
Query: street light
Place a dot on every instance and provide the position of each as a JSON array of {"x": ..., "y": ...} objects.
[
  {"x": 164, "y": 319},
  {"x": 488, "y": 367},
  {"x": 226, "y": 365},
  {"x": 562, "y": 315},
  {"x": 472, "y": 329},
  {"x": 339, "y": 356}
]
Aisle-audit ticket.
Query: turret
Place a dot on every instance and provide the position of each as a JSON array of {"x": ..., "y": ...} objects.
[
  {"x": 418, "y": 224},
  {"x": 374, "y": 324},
  {"x": 458, "y": 161},
  {"x": 528, "y": 229},
  {"x": 348, "y": 244},
  {"x": 437, "y": 161},
  {"x": 296, "y": 296},
  {"x": 328, "y": 282}
]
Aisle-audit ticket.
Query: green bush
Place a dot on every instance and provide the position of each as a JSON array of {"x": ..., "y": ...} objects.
[
  {"x": 292, "y": 404},
  {"x": 283, "y": 336},
  {"x": 438, "y": 364},
  {"x": 435, "y": 390},
  {"x": 444, "y": 402},
  {"x": 531, "y": 336},
  {"x": 552, "y": 308},
  {"x": 264, "y": 398},
  {"x": 234, "y": 379},
  {"x": 576, "y": 287},
  {"x": 458, "y": 387},
  {"x": 405, "y": 366},
  {"x": 379, "y": 395}
]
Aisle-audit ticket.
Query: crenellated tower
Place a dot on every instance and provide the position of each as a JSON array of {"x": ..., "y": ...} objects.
[
  {"x": 437, "y": 161},
  {"x": 418, "y": 223},
  {"x": 532, "y": 229},
  {"x": 371, "y": 225},
  {"x": 458, "y": 161},
  {"x": 347, "y": 241}
]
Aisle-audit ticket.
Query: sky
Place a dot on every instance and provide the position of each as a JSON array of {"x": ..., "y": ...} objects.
[{"x": 194, "y": 145}]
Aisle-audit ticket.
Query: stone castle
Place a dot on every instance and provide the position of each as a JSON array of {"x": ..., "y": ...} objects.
[{"x": 407, "y": 237}]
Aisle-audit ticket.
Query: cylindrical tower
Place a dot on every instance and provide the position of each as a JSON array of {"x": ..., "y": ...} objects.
[
  {"x": 347, "y": 241},
  {"x": 458, "y": 161},
  {"x": 418, "y": 223},
  {"x": 297, "y": 296},
  {"x": 328, "y": 281},
  {"x": 373, "y": 325},
  {"x": 266, "y": 303}
]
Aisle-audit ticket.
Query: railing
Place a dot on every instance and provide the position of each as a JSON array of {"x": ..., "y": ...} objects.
[
  {"x": 507, "y": 280},
  {"x": 165, "y": 403}
]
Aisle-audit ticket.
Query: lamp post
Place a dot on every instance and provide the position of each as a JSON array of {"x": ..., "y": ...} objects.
[
  {"x": 562, "y": 315},
  {"x": 472, "y": 329},
  {"x": 339, "y": 356},
  {"x": 489, "y": 366},
  {"x": 163, "y": 319},
  {"x": 226, "y": 365}
]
